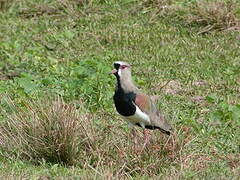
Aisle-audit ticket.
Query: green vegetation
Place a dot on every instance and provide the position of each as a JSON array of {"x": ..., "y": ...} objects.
[{"x": 57, "y": 117}]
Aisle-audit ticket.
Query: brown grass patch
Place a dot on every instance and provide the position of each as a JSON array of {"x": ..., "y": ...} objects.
[
  {"x": 5, "y": 4},
  {"x": 57, "y": 132},
  {"x": 233, "y": 160},
  {"x": 156, "y": 3},
  {"x": 49, "y": 130},
  {"x": 59, "y": 8},
  {"x": 171, "y": 87},
  {"x": 216, "y": 15}
]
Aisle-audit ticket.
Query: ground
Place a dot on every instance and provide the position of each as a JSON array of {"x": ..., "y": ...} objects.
[{"x": 184, "y": 53}]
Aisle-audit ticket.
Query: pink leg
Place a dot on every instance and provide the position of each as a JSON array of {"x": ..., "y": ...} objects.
[
  {"x": 146, "y": 137},
  {"x": 134, "y": 134}
]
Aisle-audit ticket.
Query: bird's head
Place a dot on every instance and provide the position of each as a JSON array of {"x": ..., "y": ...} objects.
[{"x": 121, "y": 69}]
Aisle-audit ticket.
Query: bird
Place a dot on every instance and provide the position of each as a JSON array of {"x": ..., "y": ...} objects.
[{"x": 136, "y": 107}]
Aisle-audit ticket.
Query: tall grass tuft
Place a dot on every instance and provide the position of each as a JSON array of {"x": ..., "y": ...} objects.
[{"x": 45, "y": 130}]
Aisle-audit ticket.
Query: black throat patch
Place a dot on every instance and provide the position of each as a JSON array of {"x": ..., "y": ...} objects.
[{"x": 124, "y": 102}]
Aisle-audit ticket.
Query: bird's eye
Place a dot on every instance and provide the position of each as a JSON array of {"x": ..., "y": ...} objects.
[{"x": 123, "y": 66}]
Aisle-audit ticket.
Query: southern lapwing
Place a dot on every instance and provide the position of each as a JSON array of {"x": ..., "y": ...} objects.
[{"x": 136, "y": 107}]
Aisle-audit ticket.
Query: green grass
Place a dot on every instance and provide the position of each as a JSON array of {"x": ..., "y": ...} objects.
[{"x": 66, "y": 48}]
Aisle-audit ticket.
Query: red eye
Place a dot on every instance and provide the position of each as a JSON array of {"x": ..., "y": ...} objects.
[{"x": 123, "y": 66}]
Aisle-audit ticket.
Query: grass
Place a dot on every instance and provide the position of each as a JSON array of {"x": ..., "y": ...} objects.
[
  {"x": 60, "y": 48},
  {"x": 47, "y": 130}
]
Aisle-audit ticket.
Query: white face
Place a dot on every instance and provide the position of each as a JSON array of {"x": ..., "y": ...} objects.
[{"x": 119, "y": 72}]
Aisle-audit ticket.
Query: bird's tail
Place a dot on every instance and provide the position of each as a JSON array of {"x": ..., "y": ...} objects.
[{"x": 163, "y": 125}]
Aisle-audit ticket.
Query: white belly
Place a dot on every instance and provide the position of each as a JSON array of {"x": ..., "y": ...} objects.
[{"x": 139, "y": 117}]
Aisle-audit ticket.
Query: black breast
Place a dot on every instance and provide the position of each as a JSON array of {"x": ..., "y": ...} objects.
[{"x": 124, "y": 102}]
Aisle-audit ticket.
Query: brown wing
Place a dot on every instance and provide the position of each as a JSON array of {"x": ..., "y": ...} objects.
[
  {"x": 143, "y": 102},
  {"x": 157, "y": 119}
]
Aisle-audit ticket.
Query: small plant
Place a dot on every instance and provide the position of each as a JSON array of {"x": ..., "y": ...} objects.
[
  {"x": 89, "y": 80},
  {"x": 227, "y": 114}
]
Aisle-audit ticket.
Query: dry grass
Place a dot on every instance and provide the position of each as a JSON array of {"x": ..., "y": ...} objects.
[
  {"x": 216, "y": 15},
  {"x": 49, "y": 130},
  {"x": 5, "y": 4},
  {"x": 208, "y": 15},
  {"x": 156, "y": 3},
  {"x": 58, "y": 8},
  {"x": 57, "y": 132}
]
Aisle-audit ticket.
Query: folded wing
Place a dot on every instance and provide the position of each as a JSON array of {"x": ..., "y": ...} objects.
[{"x": 146, "y": 105}]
